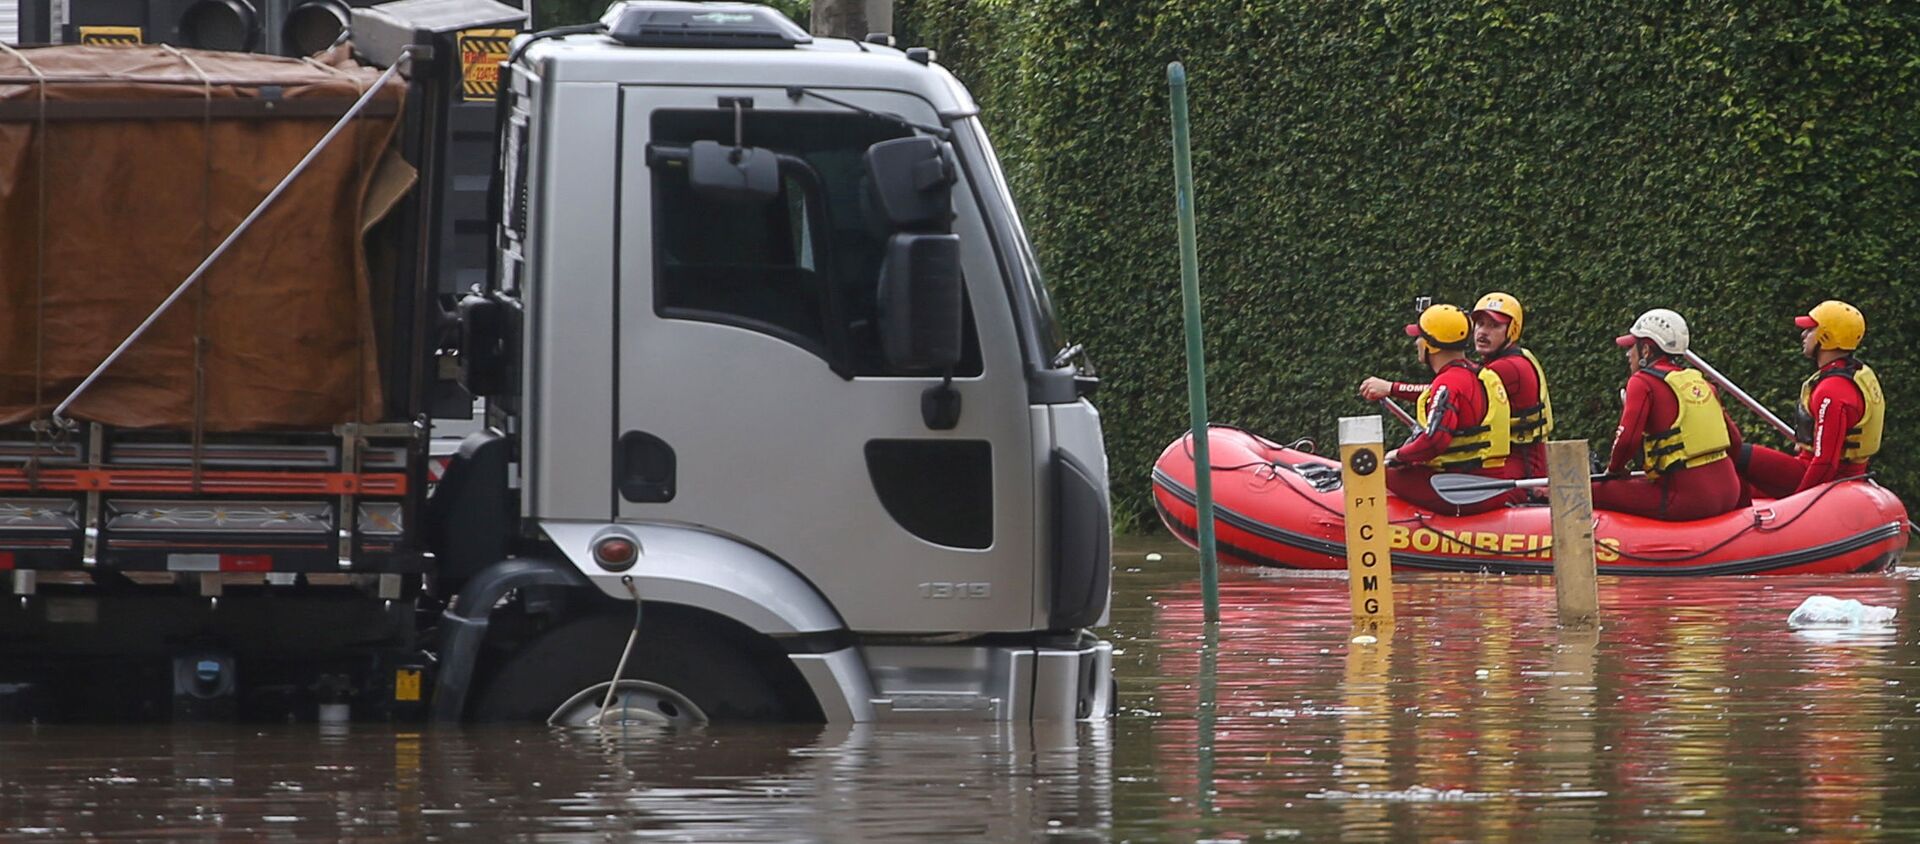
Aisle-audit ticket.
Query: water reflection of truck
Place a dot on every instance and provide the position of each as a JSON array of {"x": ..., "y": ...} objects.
[{"x": 763, "y": 344}]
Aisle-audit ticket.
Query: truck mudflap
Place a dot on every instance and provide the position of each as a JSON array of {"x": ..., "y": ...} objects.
[
  {"x": 463, "y": 627},
  {"x": 1053, "y": 680}
]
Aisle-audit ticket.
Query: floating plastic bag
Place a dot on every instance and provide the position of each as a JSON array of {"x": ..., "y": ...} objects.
[{"x": 1828, "y": 611}]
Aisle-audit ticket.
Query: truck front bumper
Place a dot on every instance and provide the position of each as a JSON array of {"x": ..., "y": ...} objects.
[{"x": 923, "y": 681}]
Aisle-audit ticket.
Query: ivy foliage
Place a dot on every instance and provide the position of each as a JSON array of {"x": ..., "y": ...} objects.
[{"x": 1735, "y": 160}]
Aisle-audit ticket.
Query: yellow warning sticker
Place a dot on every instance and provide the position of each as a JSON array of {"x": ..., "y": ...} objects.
[
  {"x": 481, "y": 53},
  {"x": 112, "y": 36},
  {"x": 406, "y": 684}
]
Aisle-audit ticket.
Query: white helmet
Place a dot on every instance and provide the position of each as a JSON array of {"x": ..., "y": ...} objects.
[{"x": 1665, "y": 328}]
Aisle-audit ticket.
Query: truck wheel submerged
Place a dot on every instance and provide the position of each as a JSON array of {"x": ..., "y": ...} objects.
[{"x": 677, "y": 675}]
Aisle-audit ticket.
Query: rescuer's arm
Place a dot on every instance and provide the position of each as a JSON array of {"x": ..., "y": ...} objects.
[
  {"x": 1375, "y": 389},
  {"x": 1633, "y": 426},
  {"x": 1833, "y": 415},
  {"x": 1442, "y": 419},
  {"x": 1407, "y": 391}
]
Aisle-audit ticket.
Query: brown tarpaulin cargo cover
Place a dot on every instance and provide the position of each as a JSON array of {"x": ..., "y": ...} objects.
[{"x": 121, "y": 172}]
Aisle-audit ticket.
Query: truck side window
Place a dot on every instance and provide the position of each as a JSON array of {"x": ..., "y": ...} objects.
[
  {"x": 805, "y": 267},
  {"x": 749, "y": 266}
]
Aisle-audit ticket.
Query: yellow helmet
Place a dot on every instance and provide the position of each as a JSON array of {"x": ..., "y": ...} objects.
[
  {"x": 1442, "y": 327},
  {"x": 1505, "y": 305},
  {"x": 1835, "y": 324}
]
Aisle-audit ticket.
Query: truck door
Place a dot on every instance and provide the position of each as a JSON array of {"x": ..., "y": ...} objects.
[{"x": 753, "y": 399}]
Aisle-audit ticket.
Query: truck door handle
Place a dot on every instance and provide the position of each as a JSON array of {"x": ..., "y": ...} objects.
[{"x": 643, "y": 468}]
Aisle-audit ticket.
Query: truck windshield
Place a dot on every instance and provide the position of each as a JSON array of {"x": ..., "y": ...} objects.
[{"x": 1027, "y": 281}]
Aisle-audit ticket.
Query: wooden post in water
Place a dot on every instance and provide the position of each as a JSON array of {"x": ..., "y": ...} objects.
[
  {"x": 1363, "y": 482},
  {"x": 1570, "y": 494}
]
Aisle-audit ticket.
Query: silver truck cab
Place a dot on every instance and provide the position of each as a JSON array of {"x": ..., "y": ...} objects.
[{"x": 785, "y": 368}]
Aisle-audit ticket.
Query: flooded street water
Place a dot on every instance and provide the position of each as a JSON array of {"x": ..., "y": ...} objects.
[{"x": 1695, "y": 713}]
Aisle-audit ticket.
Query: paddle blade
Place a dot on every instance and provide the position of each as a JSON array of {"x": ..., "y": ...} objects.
[{"x": 1461, "y": 490}]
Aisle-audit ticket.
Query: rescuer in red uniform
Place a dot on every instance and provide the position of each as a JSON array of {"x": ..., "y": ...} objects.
[
  {"x": 1841, "y": 414},
  {"x": 1497, "y": 320},
  {"x": 1466, "y": 425},
  {"x": 1674, "y": 426}
]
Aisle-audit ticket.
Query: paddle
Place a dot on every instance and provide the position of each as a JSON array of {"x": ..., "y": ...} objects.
[
  {"x": 1396, "y": 411},
  {"x": 1751, "y": 403},
  {"x": 1461, "y": 490}
]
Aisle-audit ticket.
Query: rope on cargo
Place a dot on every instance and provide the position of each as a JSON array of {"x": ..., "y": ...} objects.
[
  {"x": 39, "y": 257},
  {"x": 199, "y": 446},
  {"x": 59, "y": 412}
]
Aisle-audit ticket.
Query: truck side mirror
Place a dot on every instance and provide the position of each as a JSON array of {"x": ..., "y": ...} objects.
[
  {"x": 920, "y": 289},
  {"x": 912, "y": 181},
  {"x": 920, "y": 283},
  {"x": 486, "y": 348},
  {"x": 738, "y": 174}
]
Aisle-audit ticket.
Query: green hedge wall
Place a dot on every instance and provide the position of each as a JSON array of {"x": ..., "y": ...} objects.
[{"x": 1736, "y": 160}]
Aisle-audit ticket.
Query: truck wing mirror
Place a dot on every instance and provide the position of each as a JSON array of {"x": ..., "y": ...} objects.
[
  {"x": 486, "y": 345},
  {"x": 912, "y": 181},
  {"x": 738, "y": 174},
  {"x": 920, "y": 302}
]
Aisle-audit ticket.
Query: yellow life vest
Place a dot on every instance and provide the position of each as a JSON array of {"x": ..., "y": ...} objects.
[
  {"x": 1863, "y": 439},
  {"x": 1485, "y": 445},
  {"x": 1699, "y": 432},
  {"x": 1532, "y": 424}
]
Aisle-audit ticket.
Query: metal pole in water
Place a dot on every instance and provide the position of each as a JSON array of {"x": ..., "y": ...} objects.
[
  {"x": 1196, "y": 355},
  {"x": 1363, "y": 483},
  {"x": 1570, "y": 498},
  {"x": 1207, "y": 716}
]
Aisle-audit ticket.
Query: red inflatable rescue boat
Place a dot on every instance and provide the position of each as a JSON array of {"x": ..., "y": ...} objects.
[{"x": 1281, "y": 507}]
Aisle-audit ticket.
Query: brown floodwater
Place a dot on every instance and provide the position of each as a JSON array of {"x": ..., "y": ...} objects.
[{"x": 1694, "y": 713}]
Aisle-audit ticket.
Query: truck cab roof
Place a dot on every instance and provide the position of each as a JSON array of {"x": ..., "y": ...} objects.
[{"x": 820, "y": 62}]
